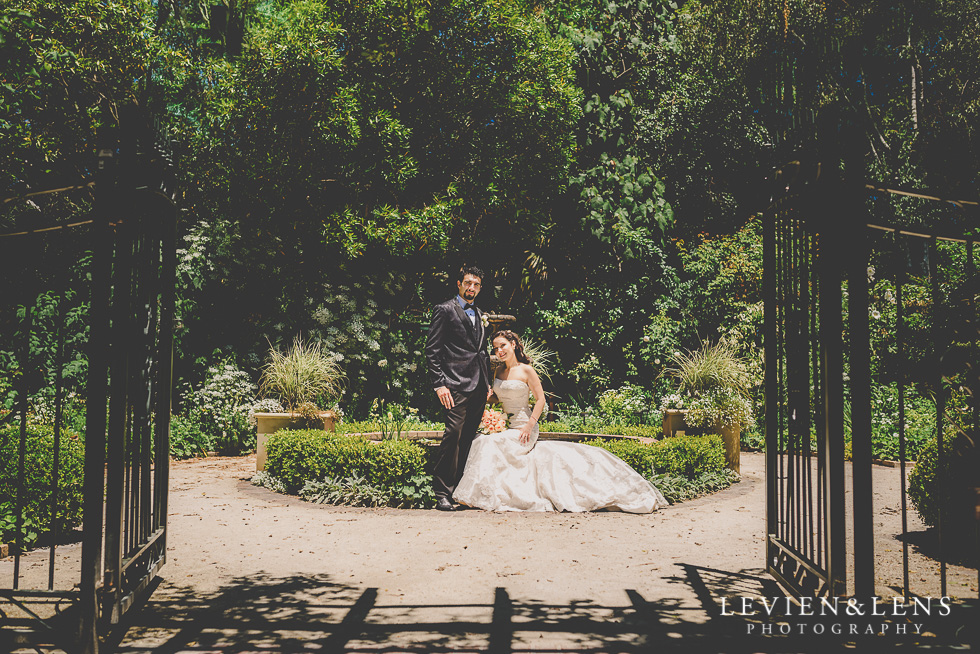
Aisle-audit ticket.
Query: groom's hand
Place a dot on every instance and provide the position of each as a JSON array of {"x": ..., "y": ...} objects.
[{"x": 445, "y": 397}]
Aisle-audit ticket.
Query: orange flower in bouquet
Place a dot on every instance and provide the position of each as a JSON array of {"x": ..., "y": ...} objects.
[{"x": 493, "y": 422}]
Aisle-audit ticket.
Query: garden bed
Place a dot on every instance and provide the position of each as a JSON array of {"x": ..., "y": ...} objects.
[{"x": 367, "y": 469}]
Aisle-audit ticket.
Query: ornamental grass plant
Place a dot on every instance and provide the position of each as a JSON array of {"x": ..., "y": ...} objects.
[
  {"x": 713, "y": 366},
  {"x": 302, "y": 374}
]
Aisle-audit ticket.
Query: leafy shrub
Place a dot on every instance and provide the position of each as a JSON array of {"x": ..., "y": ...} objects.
[
  {"x": 220, "y": 408},
  {"x": 682, "y": 456},
  {"x": 351, "y": 491},
  {"x": 38, "y": 465},
  {"x": 638, "y": 456},
  {"x": 357, "y": 491},
  {"x": 960, "y": 474},
  {"x": 920, "y": 423},
  {"x": 265, "y": 480},
  {"x": 677, "y": 489},
  {"x": 187, "y": 439},
  {"x": 642, "y": 431},
  {"x": 627, "y": 405},
  {"x": 42, "y": 410},
  {"x": 371, "y": 425},
  {"x": 296, "y": 457},
  {"x": 8, "y": 527},
  {"x": 689, "y": 456},
  {"x": 753, "y": 439}
]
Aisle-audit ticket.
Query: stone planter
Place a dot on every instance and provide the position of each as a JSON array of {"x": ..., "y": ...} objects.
[
  {"x": 270, "y": 423},
  {"x": 675, "y": 423},
  {"x": 731, "y": 436}
]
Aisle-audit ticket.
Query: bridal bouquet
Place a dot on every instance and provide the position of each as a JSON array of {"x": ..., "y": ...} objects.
[{"x": 493, "y": 422}]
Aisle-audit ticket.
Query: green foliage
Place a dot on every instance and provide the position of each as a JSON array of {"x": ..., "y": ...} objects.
[
  {"x": 638, "y": 456},
  {"x": 689, "y": 456},
  {"x": 628, "y": 405},
  {"x": 351, "y": 491},
  {"x": 187, "y": 439},
  {"x": 714, "y": 366},
  {"x": 220, "y": 408},
  {"x": 920, "y": 423},
  {"x": 392, "y": 419},
  {"x": 720, "y": 406},
  {"x": 593, "y": 425},
  {"x": 29, "y": 531},
  {"x": 416, "y": 493},
  {"x": 622, "y": 202},
  {"x": 960, "y": 474},
  {"x": 38, "y": 466},
  {"x": 296, "y": 457},
  {"x": 683, "y": 456},
  {"x": 678, "y": 488},
  {"x": 305, "y": 373},
  {"x": 640, "y": 431},
  {"x": 68, "y": 66}
]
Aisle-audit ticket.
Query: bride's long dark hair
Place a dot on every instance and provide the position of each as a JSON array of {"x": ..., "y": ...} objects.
[{"x": 515, "y": 340}]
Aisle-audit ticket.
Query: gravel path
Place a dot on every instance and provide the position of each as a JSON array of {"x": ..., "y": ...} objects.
[{"x": 250, "y": 570}]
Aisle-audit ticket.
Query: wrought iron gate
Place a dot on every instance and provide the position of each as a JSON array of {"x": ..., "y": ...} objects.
[
  {"x": 824, "y": 236},
  {"x": 129, "y": 242}
]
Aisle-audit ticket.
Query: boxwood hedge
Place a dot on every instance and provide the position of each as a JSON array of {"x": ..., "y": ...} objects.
[{"x": 325, "y": 466}]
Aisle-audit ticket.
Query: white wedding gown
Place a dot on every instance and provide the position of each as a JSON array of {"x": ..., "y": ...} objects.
[{"x": 501, "y": 474}]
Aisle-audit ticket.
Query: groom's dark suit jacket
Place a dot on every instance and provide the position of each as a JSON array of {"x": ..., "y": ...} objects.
[{"x": 456, "y": 351}]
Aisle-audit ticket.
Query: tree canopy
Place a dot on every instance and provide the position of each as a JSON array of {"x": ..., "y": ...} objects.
[{"x": 340, "y": 159}]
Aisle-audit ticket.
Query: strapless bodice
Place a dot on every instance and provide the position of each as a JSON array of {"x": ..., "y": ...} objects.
[{"x": 514, "y": 396}]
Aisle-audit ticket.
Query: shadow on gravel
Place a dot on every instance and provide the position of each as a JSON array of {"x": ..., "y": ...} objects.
[
  {"x": 958, "y": 549},
  {"x": 304, "y": 614},
  {"x": 314, "y": 614}
]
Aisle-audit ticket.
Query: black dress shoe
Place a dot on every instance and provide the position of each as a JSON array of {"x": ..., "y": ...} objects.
[{"x": 443, "y": 504}]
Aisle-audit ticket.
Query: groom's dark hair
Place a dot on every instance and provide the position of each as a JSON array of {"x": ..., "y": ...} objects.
[{"x": 470, "y": 270}]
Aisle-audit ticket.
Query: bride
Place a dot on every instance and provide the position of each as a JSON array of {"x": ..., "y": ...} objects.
[{"x": 512, "y": 471}]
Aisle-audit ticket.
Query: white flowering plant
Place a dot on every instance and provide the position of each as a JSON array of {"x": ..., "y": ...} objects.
[
  {"x": 379, "y": 346},
  {"x": 221, "y": 407},
  {"x": 674, "y": 401},
  {"x": 627, "y": 405},
  {"x": 720, "y": 406},
  {"x": 265, "y": 405}
]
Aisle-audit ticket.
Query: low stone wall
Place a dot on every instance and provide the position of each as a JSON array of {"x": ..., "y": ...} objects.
[{"x": 544, "y": 436}]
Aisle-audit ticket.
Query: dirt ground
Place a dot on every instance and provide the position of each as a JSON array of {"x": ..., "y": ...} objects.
[{"x": 251, "y": 570}]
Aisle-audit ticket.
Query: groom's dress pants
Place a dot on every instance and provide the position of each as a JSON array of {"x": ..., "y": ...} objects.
[{"x": 462, "y": 421}]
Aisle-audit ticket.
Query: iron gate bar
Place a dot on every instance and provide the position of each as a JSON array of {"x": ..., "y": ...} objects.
[
  {"x": 95, "y": 421},
  {"x": 913, "y": 193},
  {"x": 856, "y": 251},
  {"x": 938, "y": 338},
  {"x": 134, "y": 265},
  {"x": 19, "y": 504},
  {"x": 900, "y": 366},
  {"x": 831, "y": 329},
  {"x": 771, "y": 376},
  {"x": 905, "y": 232},
  {"x": 47, "y": 191},
  {"x": 58, "y": 390}
]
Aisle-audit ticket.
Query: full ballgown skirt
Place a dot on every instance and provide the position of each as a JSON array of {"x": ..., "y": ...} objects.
[{"x": 501, "y": 474}]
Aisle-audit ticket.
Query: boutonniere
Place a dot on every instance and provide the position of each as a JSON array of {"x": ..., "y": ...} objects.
[{"x": 484, "y": 320}]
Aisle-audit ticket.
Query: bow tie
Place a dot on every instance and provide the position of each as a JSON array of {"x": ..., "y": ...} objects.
[{"x": 467, "y": 306}]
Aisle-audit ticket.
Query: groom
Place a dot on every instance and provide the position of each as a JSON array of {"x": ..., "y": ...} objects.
[{"x": 458, "y": 363}]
